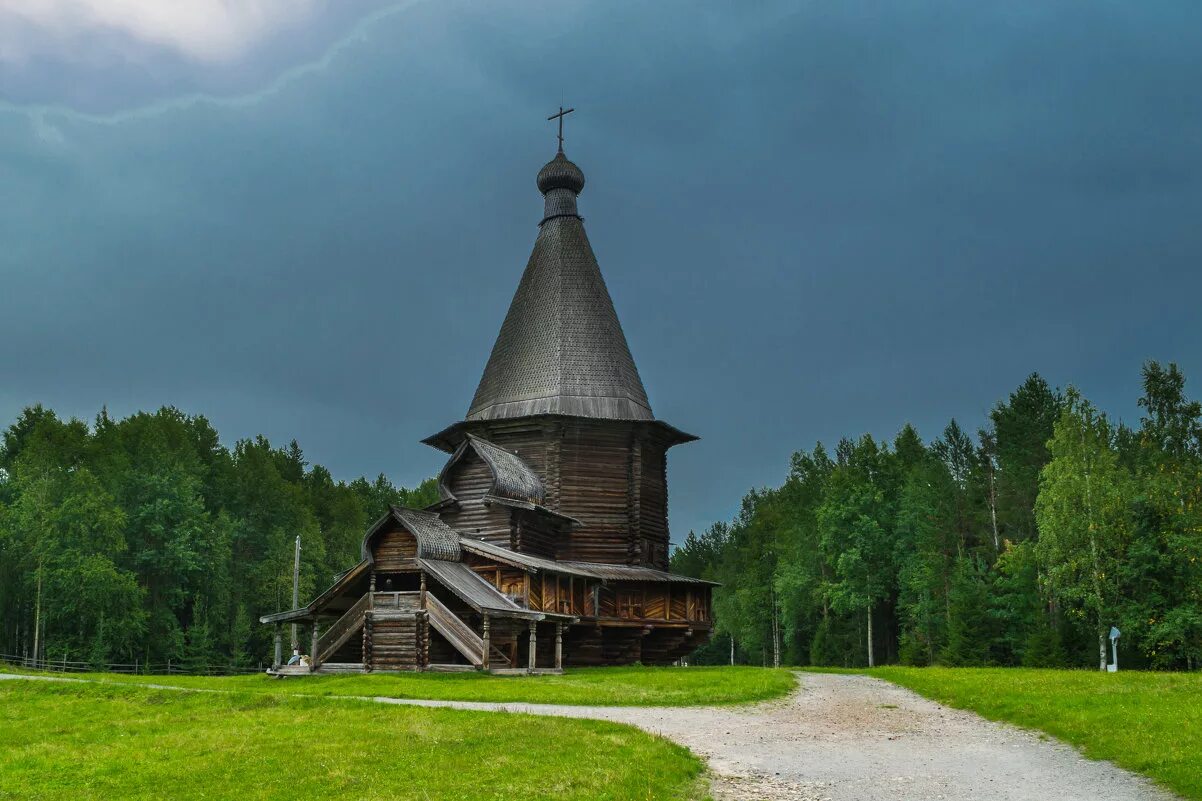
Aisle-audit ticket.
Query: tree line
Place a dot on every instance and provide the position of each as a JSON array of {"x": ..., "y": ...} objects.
[
  {"x": 1021, "y": 545},
  {"x": 147, "y": 539}
]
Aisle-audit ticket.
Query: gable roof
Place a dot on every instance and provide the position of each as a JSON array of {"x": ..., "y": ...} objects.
[
  {"x": 435, "y": 539},
  {"x": 341, "y": 582},
  {"x": 511, "y": 477},
  {"x": 561, "y": 349},
  {"x": 473, "y": 590}
]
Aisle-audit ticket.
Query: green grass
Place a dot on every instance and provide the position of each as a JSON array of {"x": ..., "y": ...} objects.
[
  {"x": 1150, "y": 723},
  {"x": 109, "y": 741},
  {"x": 627, "y": 686}
]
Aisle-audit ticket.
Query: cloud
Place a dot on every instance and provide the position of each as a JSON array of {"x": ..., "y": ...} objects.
[
  {"x": 208, "y": 31},
  {"x": 103, "y": 57}
]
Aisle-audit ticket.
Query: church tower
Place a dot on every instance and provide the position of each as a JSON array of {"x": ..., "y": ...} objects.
[
  {"x": 549, "y": 546},
  {"x": 561, "y": 391}
]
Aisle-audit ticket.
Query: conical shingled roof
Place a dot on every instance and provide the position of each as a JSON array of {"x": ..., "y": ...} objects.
[{"x": 561, "y": 349}]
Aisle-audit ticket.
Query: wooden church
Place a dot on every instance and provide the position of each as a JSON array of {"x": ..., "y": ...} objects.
[{"x": 549, "y": 546}]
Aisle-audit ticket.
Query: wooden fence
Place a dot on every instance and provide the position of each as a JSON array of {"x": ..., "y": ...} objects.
[{"x": 168, "y": 668}]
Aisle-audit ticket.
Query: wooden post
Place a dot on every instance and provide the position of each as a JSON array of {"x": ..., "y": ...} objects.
[
  {"x": 367, "y": 643},
  {"x": 372, "y": 588},
  {"x": 425, "y": 616},
  {"x": 559, "y": 646},
  {"x": 296, "y": 592},
  {"x": 313, "y": 650},
  {"x": 422, "y": 600},
  {"x": 487, "y": 644},
  {"x": 533, "y": 642},
  {"x": 279, "y": 647}
]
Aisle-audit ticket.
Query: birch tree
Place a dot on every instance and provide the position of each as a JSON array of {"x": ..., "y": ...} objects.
[{"x": 1083, "y": 514}]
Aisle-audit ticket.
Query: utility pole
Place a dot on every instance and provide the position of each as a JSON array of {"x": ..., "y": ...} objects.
[
  {"x": 37, "y": 616},
  {"x": 296, "y": 592}
]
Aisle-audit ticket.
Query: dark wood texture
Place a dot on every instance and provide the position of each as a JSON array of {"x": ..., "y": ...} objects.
[
  {"x": 611, "y": 475},
  {"x": 470, "y": 480},
  {"x": 394, "y": 551}
]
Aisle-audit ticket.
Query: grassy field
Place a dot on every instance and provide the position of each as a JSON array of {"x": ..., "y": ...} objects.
[
  {"x": 1150, "y": 723},
  {"x": 107, "y": 741},
  {"x": 629, "y": 686}
]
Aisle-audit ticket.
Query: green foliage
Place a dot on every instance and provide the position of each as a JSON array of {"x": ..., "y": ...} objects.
[
  {"x": 1021, "y": 547},
  {"x": 146, "y": 539},
  {"x": 1084, "y": 516}
]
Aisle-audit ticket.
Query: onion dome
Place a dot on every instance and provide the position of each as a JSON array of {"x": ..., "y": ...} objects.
[{"x": 560, "y": 173}]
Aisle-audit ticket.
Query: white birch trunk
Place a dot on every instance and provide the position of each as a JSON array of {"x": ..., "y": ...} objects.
[
  {"x": 871, "y": 659},
  {"x": 775, "y": 632}
]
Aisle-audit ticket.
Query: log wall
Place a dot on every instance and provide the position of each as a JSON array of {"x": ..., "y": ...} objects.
[
  {"x": 394, "y": 551},
  {"x": 609, "y": 474},
  {"x": 395, "y": 642},
  {"x": 469, "y": 481}
]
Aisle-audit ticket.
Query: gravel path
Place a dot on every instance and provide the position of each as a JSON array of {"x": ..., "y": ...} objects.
[{"x": 856, "y": 738}]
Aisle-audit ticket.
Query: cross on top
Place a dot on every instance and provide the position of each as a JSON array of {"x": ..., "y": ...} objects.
[{"x": 562, "y": 113}]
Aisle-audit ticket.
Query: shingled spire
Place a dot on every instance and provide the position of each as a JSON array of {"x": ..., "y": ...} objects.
[{"x": 561, "y": 349}]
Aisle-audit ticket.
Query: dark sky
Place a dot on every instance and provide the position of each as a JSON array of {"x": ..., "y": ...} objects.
[{"x": 816, "y": 219}]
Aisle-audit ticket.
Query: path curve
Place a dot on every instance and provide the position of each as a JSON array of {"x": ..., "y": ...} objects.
[{"x": 855, "y": 738}]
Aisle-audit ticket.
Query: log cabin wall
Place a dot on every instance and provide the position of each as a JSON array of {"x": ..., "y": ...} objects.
[
  {"x": 394, "y": 550},
  {"x": 395, "y": 644},
  {"x": 653, "y": 498},
  {"x": 609, "y": 474},
  {"x": 469, "y": 481},
  {"x": 596, "y": 464},
  {"x": 534, "y": 534}
]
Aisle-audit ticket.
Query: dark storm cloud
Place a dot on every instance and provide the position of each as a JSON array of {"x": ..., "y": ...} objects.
[{"x": 815, "y": 220}]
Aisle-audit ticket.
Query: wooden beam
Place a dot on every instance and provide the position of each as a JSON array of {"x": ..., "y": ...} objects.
[
  {"x": 279, "y": 646},
  {"x": 487, "y": 643},
  {"x": 559, "y": 646},
  {"x": 533, "y": 642}
]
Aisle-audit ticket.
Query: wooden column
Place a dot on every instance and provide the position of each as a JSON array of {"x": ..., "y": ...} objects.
[
  {"x": 423, "y": 645},
  {"x": 533, "y": 641},
  {"x": 422, "y": 604},
  {"x": 559, "y": 646},
  {"x": 279, "y": 646},
  {"x": 372, "y": 588},
  {"x": 487, "y": 643},
  {"x": 367, "y": 645},
  {"x": 313, "y": 650}
]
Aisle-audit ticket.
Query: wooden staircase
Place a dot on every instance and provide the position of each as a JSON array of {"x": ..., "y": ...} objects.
[
  {"x": 461, "y": 637},
  {"x": 395, "y": 633},
  {"x": 344, "y": 628},
  {"x": 457, "y": 633}
]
